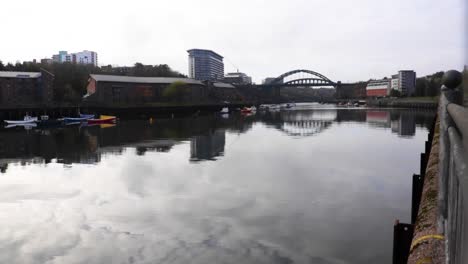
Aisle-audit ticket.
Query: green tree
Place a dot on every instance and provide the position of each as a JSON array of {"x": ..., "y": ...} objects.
[
  {"x": 395, "y": 93},
  {"x": 421, "y": 84},
  {"x": 176, "y": 91}
]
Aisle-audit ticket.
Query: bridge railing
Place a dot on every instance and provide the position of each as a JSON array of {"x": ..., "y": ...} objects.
[{"x": 453, "y": 170}]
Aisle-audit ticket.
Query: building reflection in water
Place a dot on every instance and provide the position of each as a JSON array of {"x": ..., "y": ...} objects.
[
  {"x": 207, "y": 147},
  {"x": 401, "y": 122},
  {"x": 206, "y": 134},
  {"x": 299, "y": 123}
]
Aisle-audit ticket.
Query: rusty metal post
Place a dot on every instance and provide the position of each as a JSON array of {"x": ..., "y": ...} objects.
[{"x": 402, "y": 235}]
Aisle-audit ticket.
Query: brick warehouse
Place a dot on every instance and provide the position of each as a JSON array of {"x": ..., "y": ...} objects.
[
  {"x": 26, "y": 89},
  {"x": 113, "y": 90}
]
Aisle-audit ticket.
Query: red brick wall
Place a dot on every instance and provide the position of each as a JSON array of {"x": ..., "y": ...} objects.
[
  {"x": 376, "y": 92},
  {"x": 91, "y": 88}
]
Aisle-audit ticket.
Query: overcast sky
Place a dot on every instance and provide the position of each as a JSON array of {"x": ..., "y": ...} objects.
[{"x": 342, "y": 39}]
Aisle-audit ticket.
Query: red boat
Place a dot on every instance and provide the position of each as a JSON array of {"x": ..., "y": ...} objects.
[
  {"x": 246, "y": 110},
  {"x": 103, "y": 120}
]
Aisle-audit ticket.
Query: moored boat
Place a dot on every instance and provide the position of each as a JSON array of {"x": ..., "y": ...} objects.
[
  {"x": 87, "y": 116},
  {"x": 225, "y": 110},
  {"x": 246, "y": 110},
  {"x": 81, "y": 118},
  {"x": 103, "y": 120},
  {"x": 27, "y": 120},
  {"x": 26, "y": 126}
]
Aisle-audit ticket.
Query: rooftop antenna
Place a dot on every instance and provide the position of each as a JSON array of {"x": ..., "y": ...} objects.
[{"x": 232, "y": 64}]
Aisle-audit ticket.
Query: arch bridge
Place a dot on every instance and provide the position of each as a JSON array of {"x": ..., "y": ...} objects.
[{"x": 307, "y": 78}]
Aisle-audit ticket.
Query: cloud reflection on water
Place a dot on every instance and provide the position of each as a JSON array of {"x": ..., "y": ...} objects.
[{"x": 333, "y": 201}]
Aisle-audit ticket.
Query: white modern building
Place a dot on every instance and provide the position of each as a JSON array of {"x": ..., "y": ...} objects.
[
  {"x": 394, "y": 82},
  {"x": 86, "y": 57},
  {"x": 237, "y": 78},
  {"x": 83, "y": 57}
]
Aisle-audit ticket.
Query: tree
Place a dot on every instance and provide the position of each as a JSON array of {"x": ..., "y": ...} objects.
[
  {"x": 421, "y": 84},
  {"x": 2, "y": 67},
  {"x": 176, "y": 91},
  {"x": 395, "y": 93}
]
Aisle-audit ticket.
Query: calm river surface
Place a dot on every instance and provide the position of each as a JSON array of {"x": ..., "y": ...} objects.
[{"x": 315, "y": 185}]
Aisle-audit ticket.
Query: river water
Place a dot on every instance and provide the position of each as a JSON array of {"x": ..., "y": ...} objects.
[{"x": 315, "y": 184}]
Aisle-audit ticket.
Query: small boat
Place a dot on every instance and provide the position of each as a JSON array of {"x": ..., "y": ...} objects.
[
  {"x": 225, "y": 110},
  {"x": 246, "y": 110},
  {"x": 87, "y": 116},
  {"x": 26, "y": 126},
  {"x": 27, "y": 120},
  {"x": 74, "y": 119},
  {"x": 274, "y": 107},
  {"x": 82, "y": 118},
  {"x": 103, "y": 120}
]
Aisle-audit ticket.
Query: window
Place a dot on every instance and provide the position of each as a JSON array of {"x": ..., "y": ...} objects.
[{"x": 116, "y": 94}]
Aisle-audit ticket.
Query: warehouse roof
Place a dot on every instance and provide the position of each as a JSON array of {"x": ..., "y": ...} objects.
[
  {"x": 223, "y": 85},
  {"x": 13, "y": 74},
  {"x": 133, "y": 79}
]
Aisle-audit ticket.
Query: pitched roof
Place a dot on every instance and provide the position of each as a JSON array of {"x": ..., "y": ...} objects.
[
  {"x": 133, "y": 79},
  {"x": 223, "y": 85},
  {"x": 13, "y": 74}
]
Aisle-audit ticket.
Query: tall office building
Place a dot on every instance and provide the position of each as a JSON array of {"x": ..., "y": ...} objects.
[
  {"x": 407, "y": 82},
  {"x": 205, "y": 65}
]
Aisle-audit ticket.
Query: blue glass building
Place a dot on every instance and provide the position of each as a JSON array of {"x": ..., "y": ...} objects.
[{"x": 205, "y": 65}]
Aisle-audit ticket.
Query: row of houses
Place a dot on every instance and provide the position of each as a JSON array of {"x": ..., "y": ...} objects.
[{"x": 36, "y": 89}]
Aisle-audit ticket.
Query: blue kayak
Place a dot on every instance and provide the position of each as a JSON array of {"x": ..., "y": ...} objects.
[{"x": 82, "y": 118}]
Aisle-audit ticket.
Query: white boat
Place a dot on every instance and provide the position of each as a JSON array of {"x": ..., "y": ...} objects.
[
  {"x": 274, "y": 108},
  {"x": 289, "y": 105},
  {"x": 225, "y": 110},
  {"x": 26, "y": 120},
  {"x": 26, "y": 126}
]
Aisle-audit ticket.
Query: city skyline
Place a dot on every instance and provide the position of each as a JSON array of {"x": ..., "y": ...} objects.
[{"x": 266, "y": 39}]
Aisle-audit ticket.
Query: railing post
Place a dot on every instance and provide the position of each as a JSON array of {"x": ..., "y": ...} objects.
[{"x": 449, "y": 94}]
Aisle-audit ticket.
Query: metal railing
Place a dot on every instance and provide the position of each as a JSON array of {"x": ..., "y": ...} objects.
[{"x": 453, "y": 178}]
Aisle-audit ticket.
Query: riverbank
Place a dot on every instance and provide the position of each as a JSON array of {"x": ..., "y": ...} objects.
[
  {"x": 58, "y": 111},
  {"x": 427, "y": 243},
  {"x": 409, "y": 102}
]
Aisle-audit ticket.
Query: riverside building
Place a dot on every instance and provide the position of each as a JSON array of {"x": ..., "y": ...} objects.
[
  {"x": 378, "y": 88},
  {"x": 205, "y": 65}
]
